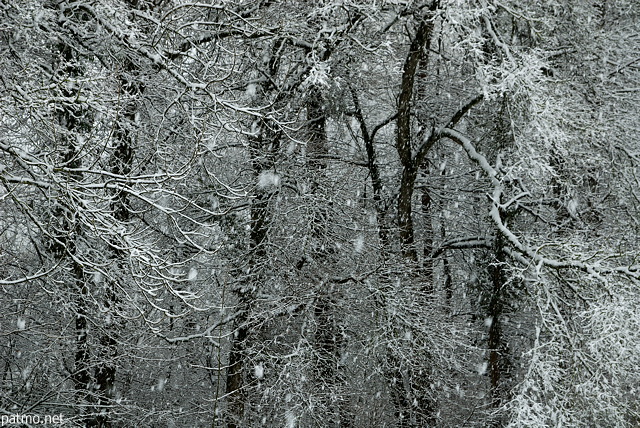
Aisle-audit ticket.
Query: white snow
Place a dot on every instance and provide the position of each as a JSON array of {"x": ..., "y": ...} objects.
[
  {"x": 267, "y": 179},
  {"x": 373, "y": 219},
  {"x": 358, "y": 244},
  {"x": 572, "y": 207},
  {"x": 251, "y": 90},
  {"x": 258, "y": 371},
  {"x": 291, "y": 147},
  {"x": 290, "y": 418},
  {"x": 160, "y": 385}
]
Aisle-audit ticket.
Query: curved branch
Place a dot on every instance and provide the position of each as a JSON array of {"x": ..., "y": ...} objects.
[{"x": 593, "y": 269}]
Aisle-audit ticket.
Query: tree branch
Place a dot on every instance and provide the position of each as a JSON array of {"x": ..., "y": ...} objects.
[
  {"x": 433, "y": 137},
  {"x": 594, "y": 269}
]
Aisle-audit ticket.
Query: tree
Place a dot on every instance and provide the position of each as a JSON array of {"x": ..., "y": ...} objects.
[{"x": 319, "y": 214}]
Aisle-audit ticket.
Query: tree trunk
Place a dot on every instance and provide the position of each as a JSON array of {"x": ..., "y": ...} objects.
[
  {"x": 328, "y": 338},
  {"x": 416, "y": 56},
  {"x": 236, "y": 396},
  {"x": 263, "y": 147},
  {"x": 497, "y": 347},
  {"x": 121, "y": 164},
  {"x": 410, "y": 387},
  {"x": 73, "y": 121}
]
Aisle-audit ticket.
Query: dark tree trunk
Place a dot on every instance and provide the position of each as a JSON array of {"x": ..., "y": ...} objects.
[
  {"x": 428, "y": 277},
  {"x": 416, "y": 56},
  {"x": 497, "y": 347},
  {"x": 409, "y": 386},
  {"x": 121, "y": 164},
  {"x": 236, "y": 396},
  {"x": 73, "y": 120},
  {"x": 328, "y": 338},
  {"x": 405, "y": 214},
  {"x": 374, "y": 172},
  {"x": 263, "y": 149}
]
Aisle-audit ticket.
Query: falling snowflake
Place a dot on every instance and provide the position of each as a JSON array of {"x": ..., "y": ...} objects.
[
  {"x": 291, "y": 419},
  {"x": 358, "y": 244},
  {"x": 267, "y": 179},
  {"x": 258, "y": 371}
]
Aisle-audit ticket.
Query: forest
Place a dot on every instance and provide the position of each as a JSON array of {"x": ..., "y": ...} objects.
[{"x": 330, "y": 213}]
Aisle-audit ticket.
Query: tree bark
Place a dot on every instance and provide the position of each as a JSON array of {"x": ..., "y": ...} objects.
[
  {"x": 417, "y": 55},
  {"x": 263, "y": 147},
  {"x": 328, "y": 338},
  {"x": 374, "y": 170},
  {"x": 121, "y": 164},
  {"x": 410, "y": 386},
  {"x": 73, "y": 120}
]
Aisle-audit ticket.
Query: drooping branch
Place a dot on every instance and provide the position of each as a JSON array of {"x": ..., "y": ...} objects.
[
  {"x": 433, "y": 137},
  {"x": 460, "y": 244},
  {"x": 534, "y": 257}
]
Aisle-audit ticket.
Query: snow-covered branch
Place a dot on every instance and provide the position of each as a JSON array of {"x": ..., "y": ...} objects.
[{"x": 596, "y": 269}]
